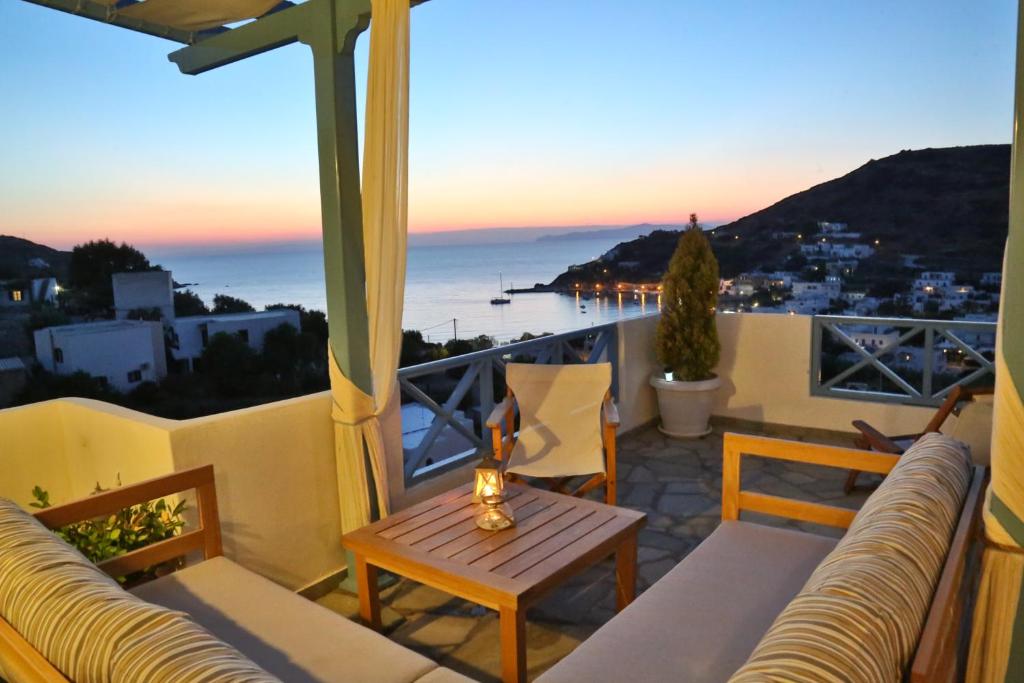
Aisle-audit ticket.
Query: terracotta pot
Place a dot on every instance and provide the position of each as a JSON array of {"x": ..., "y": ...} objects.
[{"x": 685, "y": 406}]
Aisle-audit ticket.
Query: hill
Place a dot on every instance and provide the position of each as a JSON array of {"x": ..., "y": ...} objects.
[
  {"x": 17, "y": 255},
  {"x": 949, "y": 206}
]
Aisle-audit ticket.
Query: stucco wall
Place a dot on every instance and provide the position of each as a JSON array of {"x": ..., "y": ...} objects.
[
  {"x": 765, "y": 371},
  {"x": 32, "y": 452}
]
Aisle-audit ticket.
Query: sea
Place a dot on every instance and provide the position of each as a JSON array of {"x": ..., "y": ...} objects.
[{"x": 448, "y": 286}]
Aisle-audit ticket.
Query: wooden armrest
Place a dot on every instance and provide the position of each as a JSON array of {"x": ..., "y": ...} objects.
[
  {"x": 611, "y": 412},
  {"x": 206, "y": 537},
  {"x": 810, "y": 453},
  {"x": 498, "y": 414},
  {"x": 877, "y": 440},
  {"x": 734, "y": 499}
]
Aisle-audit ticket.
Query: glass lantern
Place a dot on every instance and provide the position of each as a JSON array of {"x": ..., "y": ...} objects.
[
  {"x": 488, "y": 479},
  {"x": 494, "y": 514}
]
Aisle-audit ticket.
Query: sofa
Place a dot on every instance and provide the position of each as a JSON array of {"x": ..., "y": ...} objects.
[
  {"x": 754, "y": 603},
  {"x": 63, "y": 618}
]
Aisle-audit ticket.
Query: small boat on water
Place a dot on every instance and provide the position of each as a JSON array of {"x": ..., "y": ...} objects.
[{"x": 501, "y": 298}]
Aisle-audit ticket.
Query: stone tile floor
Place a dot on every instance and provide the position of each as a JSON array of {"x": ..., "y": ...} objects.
[{"x": 677, "y": 483}]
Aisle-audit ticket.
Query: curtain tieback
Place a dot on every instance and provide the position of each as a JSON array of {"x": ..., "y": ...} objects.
[{"x": 350, "y": 405}]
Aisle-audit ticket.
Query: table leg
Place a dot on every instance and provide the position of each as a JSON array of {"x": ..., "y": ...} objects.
[
  {"x": 369, "y": 593},
  {"x": 625, "y": 572},
  {"x": 513, "y": 644}
]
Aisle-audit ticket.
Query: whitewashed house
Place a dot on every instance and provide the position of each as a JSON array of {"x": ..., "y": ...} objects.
[
  {"x": 24, "y": 293},
  {"x": 124, "y": 353},
  {"x": 827, "y": 289},
  {"x": 991, "y": 279},
  {"x": 188, "y": 336},
  {"x": 148, "y": 290},
  {"x": 934, "y": 282}
]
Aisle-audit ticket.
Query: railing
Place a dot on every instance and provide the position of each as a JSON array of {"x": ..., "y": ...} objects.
[
  {"x": 459, "y": 393},
  {"x": 899, "y": 360}
]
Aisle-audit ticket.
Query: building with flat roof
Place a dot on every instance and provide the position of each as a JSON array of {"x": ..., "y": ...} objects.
[
  {"x": 124, "y": 353},
  {"x": 144, "y": 291},
  {"x": 188, "y": 336}
]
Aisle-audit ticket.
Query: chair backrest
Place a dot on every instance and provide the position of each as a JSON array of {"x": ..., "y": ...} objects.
[{"x": 559, "y": 418}]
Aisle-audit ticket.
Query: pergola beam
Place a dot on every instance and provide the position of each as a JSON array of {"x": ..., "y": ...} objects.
[
  {"x": 103, "y": 13},
  {"x": 262, "y": 35}
]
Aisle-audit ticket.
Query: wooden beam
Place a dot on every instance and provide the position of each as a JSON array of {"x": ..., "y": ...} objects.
[{"x": 104, "y": 14}]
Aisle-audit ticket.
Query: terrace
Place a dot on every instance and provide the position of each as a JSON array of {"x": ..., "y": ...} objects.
[{"x": 292, "y": 476}]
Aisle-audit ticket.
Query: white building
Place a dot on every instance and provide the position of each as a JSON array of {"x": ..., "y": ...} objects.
[
  {"x": 17, "y": 293},
  {"x": 191, "y": 334},
  {"x": 827, "y": 227},
  {"x": 934, "y": 282},
  {"x": 872, "y": 337},
  {"x": 148, "y": 290},
  {"x": 124, "y": 353},
  {"x": 829, "y": 290},
  {"x": 991, "y": 279}
]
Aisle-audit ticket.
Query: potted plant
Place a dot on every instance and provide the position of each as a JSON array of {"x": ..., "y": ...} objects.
[{"x": 687, "y": 339}]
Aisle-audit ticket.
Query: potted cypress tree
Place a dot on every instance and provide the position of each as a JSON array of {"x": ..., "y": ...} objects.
[{"x": 687, "y": 339}]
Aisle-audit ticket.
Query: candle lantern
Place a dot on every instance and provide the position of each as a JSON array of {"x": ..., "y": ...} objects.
[{"x": 488, "y": 479}]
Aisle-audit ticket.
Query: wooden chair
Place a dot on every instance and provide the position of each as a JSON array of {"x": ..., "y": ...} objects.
[
  {"x": 874, "y": 440},
  {"x": 567, "y": 423}
]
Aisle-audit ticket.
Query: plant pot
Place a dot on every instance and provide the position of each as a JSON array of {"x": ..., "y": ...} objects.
[{"x": 685, "y": 406}]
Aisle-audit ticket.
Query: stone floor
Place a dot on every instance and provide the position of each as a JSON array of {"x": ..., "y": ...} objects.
[{"x": 678, "y": 485}]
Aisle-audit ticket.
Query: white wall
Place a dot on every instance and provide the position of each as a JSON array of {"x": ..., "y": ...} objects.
[
  {"x": 765, "y": 368},
  {"x": 149, "y": 289},
  {"x": 105, "y": 349}
]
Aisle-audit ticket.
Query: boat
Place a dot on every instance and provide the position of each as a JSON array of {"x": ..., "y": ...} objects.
[{"x": 501, "y": 298}]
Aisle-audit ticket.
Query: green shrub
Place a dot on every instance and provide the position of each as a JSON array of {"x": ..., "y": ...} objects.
[
  {"x": 687, "y": 338},
  {"x": 129, "y": 529}
]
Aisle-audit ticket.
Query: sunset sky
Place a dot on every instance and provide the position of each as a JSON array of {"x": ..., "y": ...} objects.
[{"x": 524, "y": 113}]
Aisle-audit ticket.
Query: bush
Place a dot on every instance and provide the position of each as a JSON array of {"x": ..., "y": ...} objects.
[
  {"x": 231, "y": 365},
  {"x": 687, "y": 337},
  {"x": 122, "y": 532}
]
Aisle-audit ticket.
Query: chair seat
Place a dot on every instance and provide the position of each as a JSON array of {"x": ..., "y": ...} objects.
[
  {"x": 291, "y": 637},
  {"x": 701, "y": 621}
]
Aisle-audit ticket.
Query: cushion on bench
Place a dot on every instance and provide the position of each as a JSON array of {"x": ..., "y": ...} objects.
[
  {"x": 289, "y": 636},
  {"x": 76, "y": 616},
  {"x": 860, "y": 615},
  {"x": 701, "y": 621}
]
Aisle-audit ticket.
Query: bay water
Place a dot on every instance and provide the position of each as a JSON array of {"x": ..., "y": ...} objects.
[{"x": 448, "y": 287}]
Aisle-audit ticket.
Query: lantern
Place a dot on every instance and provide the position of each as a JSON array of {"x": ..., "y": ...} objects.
[{"x": 488, "y": 480}]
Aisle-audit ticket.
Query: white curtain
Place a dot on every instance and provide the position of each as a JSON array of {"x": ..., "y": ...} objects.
[{"x": 384, "y": 194}]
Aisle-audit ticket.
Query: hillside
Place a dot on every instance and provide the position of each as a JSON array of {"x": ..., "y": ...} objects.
[
  {"x": 16, "y": 253},
  {"x": 949, "y": 206}
]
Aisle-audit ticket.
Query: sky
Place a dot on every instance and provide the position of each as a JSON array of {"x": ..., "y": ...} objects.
[{"x": 523, "y": 113}]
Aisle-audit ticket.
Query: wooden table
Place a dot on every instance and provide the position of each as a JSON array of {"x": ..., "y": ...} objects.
[{"x": 437, "y": 543}]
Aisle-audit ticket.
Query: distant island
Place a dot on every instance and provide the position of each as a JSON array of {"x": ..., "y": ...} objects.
[{"x": 627, "y": 233}]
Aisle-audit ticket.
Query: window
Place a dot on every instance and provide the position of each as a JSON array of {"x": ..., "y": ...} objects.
[
  {"x": 135, "y": 376},
  {"x": 244, "y": 335},
  {"x": 17, "y": 295},
  {"x": 58, "y": 355}
]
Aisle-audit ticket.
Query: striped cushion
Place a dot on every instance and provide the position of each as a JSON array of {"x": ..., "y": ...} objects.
[
  {"x": 860, "y": 614},
  {"x": 76, "y": 616},
  {"x": 181, "y": 650}
]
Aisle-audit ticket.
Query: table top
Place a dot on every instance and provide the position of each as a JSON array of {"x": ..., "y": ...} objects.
[{"x": 437, "y": 542}]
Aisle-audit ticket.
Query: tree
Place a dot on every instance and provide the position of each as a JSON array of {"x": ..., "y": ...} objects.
[
  {"x": 231, "y": 365},
  {"x": 313, "y": 322},
  {"x": 222, "y": 303},
  {"x": 188, "y": 303},
  {"x": 91, "y": 266},
  {"x": 687, "y": 337}
]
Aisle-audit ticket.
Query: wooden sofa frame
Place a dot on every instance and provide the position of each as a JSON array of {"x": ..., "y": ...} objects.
[
  {"x": 941, "y": 654},
  {"x": 19, "y": 661}
]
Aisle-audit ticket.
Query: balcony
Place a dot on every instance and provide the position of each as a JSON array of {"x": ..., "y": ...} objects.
[{"x": 276, "y": 472}]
